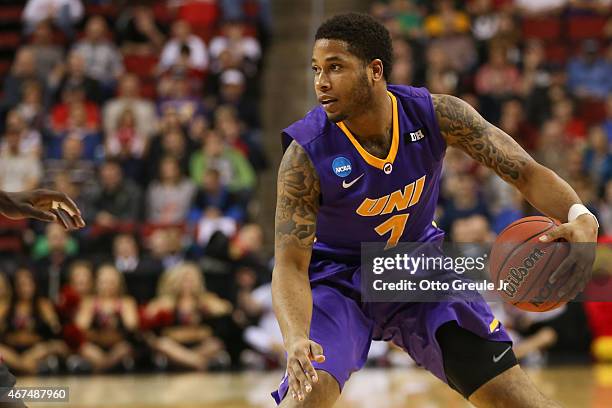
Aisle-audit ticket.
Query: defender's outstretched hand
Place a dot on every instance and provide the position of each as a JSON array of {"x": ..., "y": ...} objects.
[
  {"x": 581, "y": 233},
  {"x": 44, "y": 205},
  {"x": 300, "y": 371}
]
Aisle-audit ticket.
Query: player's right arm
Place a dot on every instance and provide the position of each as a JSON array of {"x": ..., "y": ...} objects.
[{"x": 296, "y": 216}]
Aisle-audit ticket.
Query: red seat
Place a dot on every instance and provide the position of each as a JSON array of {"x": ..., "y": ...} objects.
[
  {"x": 11, "y": 13},
  {"x": 10, "y": 40},
  {"x": 543, "y": 28},
  {"x": 557, "y": 52},
  {"x": 592, "y": 111},
  {"x": 11, "y": 234},
  {"x": 141, "y": 65},
  {"x": 581, "y": 27}
]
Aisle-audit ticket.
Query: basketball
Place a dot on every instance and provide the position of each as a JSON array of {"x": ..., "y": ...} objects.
[{"x": 525, "y": 264}]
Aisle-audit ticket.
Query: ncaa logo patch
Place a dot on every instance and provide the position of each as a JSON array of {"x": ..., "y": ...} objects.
[{"x": 341, "y": 166}]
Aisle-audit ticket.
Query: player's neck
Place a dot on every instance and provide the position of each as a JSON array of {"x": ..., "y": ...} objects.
[{"x": 376, "y": 120}]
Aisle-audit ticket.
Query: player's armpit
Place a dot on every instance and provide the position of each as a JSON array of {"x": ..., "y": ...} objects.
[
  {"x": 297, "y": 202},
  {"x": 463, "y": 127}
]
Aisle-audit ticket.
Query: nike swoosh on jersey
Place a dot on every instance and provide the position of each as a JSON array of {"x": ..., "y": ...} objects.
[{"x": 347, "y": 185}]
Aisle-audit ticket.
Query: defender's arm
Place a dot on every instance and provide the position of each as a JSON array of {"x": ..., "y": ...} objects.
[{"x": 296, "y": 213}]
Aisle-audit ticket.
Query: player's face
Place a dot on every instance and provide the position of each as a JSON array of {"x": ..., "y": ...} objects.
[{"x": 340, "y": 79}]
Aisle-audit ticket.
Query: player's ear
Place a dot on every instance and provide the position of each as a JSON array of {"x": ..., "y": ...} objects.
[{"x": 376, "y": 68}]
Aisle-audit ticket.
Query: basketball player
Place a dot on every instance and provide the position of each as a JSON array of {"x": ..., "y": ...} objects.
[
  {"x": 366, "y": 140},
  {"x": 43, "y": 205}
]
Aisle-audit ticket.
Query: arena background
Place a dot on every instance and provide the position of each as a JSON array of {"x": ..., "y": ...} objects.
[{"x": 162, "y": 120}]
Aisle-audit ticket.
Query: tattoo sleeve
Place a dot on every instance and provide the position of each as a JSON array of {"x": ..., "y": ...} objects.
[
  {"x": 297, "y": 201},
  {"x": 463, "y": 127}
]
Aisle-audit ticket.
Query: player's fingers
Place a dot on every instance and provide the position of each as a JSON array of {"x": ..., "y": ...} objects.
[
  {"x": 294, "y": 386},
  {"x": 308, "y": 371},
  {"x": 31, "y": 211},
  {"x": 62, "y": 198},
  {"x": 555, "y": 233},
  {"x": 562, "y": 269},
  {"x": 300, "y": 379},
  {"x": 316, "y": 352},
  {"x": 299, "y": 369}
]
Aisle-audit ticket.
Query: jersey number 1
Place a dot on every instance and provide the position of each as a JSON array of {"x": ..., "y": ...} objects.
[{"x": 396, "y": 225}]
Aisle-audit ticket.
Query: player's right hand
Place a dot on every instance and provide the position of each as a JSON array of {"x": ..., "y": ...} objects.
[{"x": 301, "y": 374}]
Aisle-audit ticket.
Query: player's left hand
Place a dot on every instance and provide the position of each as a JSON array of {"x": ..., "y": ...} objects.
[
  {"x": 582, "y": 236},
  {"x": 42, "y": 205}
]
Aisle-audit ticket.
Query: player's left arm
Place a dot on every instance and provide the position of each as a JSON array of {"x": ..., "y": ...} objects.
[{"x": 464, "y": 128}]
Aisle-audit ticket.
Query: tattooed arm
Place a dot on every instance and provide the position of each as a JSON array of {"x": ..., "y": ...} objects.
[
  {"x": 464, "y": 128},
  {"x": 296, "y": 212}
]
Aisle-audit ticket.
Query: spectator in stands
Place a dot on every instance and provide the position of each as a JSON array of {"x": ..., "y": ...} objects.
[
  {"x": 464, "y": 200},
  {"x": 212, "y": 193},
  {"x": 514, "y": 123},
  {"x": 534, "y": 75},
  {"x": 213, "y": 221},
  {"x": 178, "y": 316},
  {"x": 80, "y": 286},
  {"x": 140, "y": 272},
  {"x": 72, "y": 163},
  {"x": 244, "y": 48},
  {"x": 81, "y": 127},
  {"x": 52, "y": 253},
  {"x": 608, "y": 122},
  {"x": 447, "y": 18},
  {"x": 129, "y": 97},
  {"x": 605, "y": 209},
  {"x": 22, "y": 71},
  {"x": 64, "y": 13},
  {"x": 473, "y": 229},
  {"x": 125, "y": 142},
  {"x": 235, "y": 133},
  {"x": 236, "y": 172},
  {"x": 103, "y": 61},
  {"x": 552, "y": 146},
  {"x": 117, "y": 200},
  {"x": 404, "y": 67},
  {"x": 459, "y": 48},
  {"x": 30, "y": 140},
  {"x": 170, "y": 196},
  {"x": 485, "y": 19},
  {"x": 598, "y": 157},
  {"x": 232, "y": 92},
  {"x": 588, "y": 74},
  {"x": 181, "y": 98},
  {"x": 46, "y": 53},
  {"x": 31, "y": 106},
  {"x": 110, "y": 319},
  {"x": 264, "y": 336},
  {"x": 30, "y": 328},
  {"x": 166, "y": 246},
  {"x": 573, "y": 126},
  {"x": 18, "y": 170},
  {"x": 73, "y": 76},
  {"x": 172, "y": 143},
  {"x": 182, "y": 36},
  {"x": 497, "y": 79},
  {"x": 138, "y": 32},
  {"x": 440, "y": 77}
]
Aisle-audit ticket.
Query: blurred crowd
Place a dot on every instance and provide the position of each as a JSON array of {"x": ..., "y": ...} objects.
[{"x": 147, "y": 114}]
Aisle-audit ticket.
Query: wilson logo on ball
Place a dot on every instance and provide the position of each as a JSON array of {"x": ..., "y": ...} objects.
[{"x": 516, "y": 276}]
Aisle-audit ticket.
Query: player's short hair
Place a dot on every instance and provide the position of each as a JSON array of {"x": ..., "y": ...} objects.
[{"x": 367, "y": 39}]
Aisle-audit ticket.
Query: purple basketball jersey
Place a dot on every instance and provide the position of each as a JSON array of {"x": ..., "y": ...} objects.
[{"x": 368, "y": 199}]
